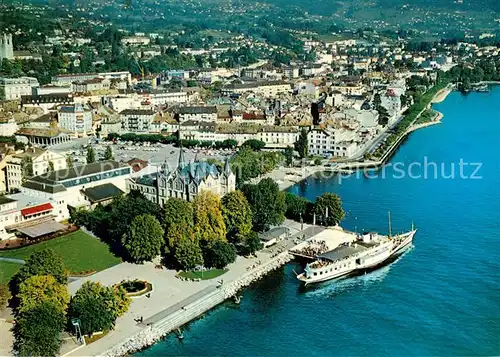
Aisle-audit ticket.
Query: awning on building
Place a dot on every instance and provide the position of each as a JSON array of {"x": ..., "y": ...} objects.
[
  {"x": 29, "y": 211},
  {"x": 41, "y": 229}
]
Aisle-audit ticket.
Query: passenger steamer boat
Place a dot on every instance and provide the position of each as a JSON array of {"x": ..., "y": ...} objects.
[{"x": 366, "y": 253}]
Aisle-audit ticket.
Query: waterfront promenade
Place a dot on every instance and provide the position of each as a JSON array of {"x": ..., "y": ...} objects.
[{"x": 171, "y": 294}]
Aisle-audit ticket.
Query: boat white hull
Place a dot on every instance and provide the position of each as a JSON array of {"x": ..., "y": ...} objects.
[{"x": 369, "y": 265}]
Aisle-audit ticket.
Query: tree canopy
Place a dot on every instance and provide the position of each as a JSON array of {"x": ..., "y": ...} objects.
[
  {"x": 267, "y": 203},
  {"x": 42, "y": 262},
  {"x": 144, "y": 239},
  {"x": 188, "y": 253},
  {"x": 90, "y": 155},
  {"x": 254, "y": 144},
  {"x": 108, "y": 154},
  {"x": 39, "y": 288},
  {"x": 219, "y": 254},
  {"x": 301, "y": 145},
  {"x": 96, "y": 306},
  {"x": 297, "y": 207},
  {"x": 208, "y": 220},
  {"x": 237, "y": 216},
  {"x": 177, "y": 211},
  {"x": 328, "y": 209},
  {"x": 39, "y": 329}
]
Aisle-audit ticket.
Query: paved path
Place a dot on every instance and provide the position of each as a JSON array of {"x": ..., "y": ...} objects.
[
  {"x": 170, "y": 310},
  {"x": 12, "y": 260}
]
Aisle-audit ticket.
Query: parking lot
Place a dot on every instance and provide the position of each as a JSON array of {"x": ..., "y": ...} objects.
[{"x": 125, "y": 151}]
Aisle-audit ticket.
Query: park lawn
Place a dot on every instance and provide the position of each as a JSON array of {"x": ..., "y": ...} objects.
[
  {"x": 8, "y": 270},
  {"x": 205, "y": 275},
  {"x": 80, "y": 252}
]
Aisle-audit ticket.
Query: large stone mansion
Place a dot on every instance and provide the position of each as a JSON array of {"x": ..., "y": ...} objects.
[{"x": 185, "y": 181}]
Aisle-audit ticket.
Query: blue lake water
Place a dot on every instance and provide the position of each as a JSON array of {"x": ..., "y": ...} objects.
[{"x": 441, "y": 298}]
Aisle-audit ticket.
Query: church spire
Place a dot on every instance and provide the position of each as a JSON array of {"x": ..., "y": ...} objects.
[
  {"x": 182, "y": 162},
  {"x": 227, "y": 167}
]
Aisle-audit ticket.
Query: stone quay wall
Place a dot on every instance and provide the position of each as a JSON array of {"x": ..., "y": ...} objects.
[{"x": 152, "y": 334}]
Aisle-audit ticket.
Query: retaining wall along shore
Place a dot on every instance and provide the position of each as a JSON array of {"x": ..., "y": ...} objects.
[{"x": 152, "y": 334}]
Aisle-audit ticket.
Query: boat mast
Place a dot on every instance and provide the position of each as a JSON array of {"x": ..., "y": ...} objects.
[{"x": 390, "y": 228}]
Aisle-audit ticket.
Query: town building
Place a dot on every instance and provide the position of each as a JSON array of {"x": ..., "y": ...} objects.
[
  {"x": 6, "y": 47},
  {"x": 136, "y": 40},
  {"x": 40, "y": 162},
  {"x": 331, "y": 142},
  {"x": 75, "y": 119},
  {"x": 89, "y": 85},
  {"x": 47, "y": 101},
  {"x": 8, "y": 126},
  {"x": 275, "y": 137},
  {"x": 163, "y": 97},
  {"x": 197, "y": 113},
  {"x": 184, "y": 182},
  {"x": 137, "y": 120},
  {"x": 266, "y": 88},
  {"x": 6, "y": 152},
  {"x": 68, "y": 79},
  {"x": 14, "y": 88},
  {"x": 67, "y": 189},
  {"x": 22, "y": 215}
]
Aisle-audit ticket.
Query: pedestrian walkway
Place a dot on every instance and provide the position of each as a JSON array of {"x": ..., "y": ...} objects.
[{"x": 180, "y": 305}]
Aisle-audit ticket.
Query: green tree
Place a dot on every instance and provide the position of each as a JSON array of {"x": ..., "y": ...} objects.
[
  {"x": 177, "y": 211},
  {"x": 4, "y": 296},
  {"x": 51, "y": 166},
  {"x": 267, "y": 203},
  {"x": 69, "y": 161},
  {"x": 254, "y": 144},
  {"x": 377, "y": 101},
  {"x": 301, "y": 145},
  {"x": 218, "y": 254},
  {"x": 328, "y": 209},
  {"x": 27, "y": 167},
  {"x": 176, "y": 233},
  {"x": 40, "y": 288},
  {"x": 43, "y": 262},
  {"x": 144, "y": 238},
  {"x": 108, "y": 154},
  {"x": 288, "y": 154},
  {"x": 114, "y": 221},
  {"x": 122, "y": 302},
  {"x": 90, "y": 155},
  {"x": 297, "y": 207},
  {"x": 39, "y": 330},
  {"x": 208, "y": 220},
  {"x": 96, "y": 307},
  {"x": 188, "y": 253},
  {"x": 252, "y": 243},
  {"x": 237, "y": 216}
]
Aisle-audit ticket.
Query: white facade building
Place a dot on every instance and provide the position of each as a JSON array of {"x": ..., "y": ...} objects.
[
  {"x": 14, "y": 88},
  {"x": 137, "y": 120},
  {"x": 75, "y": 119},
  {"x": 18, "y": 211},
  {"x": 69, "y": 187},
  {"x": 8, "y": 127},
  {"x": 41, "y": 161},
  {"x": 198, "y": 113},
  {"x": 331, "y": 142}
]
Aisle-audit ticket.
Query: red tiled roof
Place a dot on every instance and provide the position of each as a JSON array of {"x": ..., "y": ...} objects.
[{"x": 36, "y": 209}]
